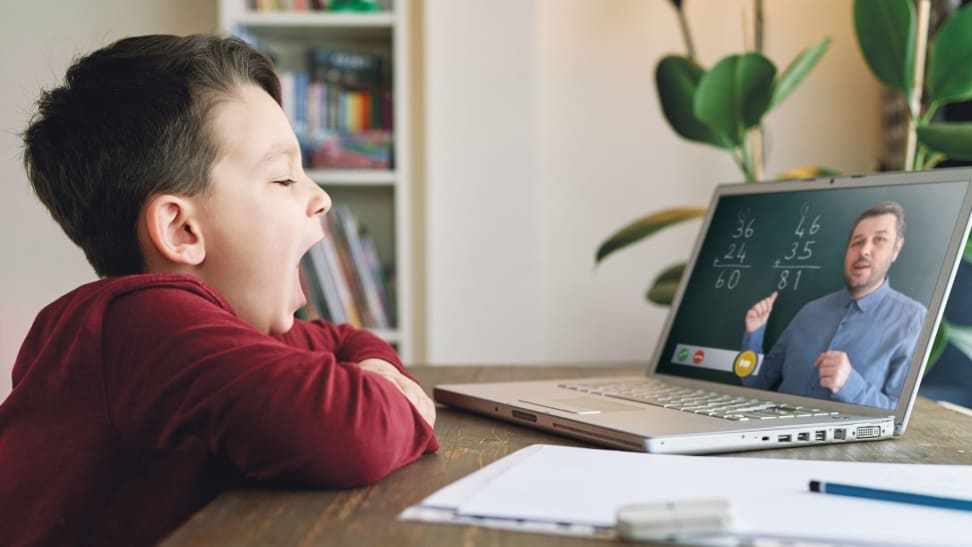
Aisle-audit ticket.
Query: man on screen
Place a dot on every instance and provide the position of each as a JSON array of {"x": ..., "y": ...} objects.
[{"x": 853, "y": 345}]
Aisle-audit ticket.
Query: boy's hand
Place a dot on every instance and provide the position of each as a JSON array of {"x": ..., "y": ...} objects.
[{"x": 412, "y": 391}]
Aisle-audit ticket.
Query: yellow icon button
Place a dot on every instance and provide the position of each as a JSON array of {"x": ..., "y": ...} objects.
[{"x": 745, "y": 363}]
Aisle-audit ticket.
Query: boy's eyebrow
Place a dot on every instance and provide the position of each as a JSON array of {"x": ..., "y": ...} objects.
[{"x": 278, "y": 149}]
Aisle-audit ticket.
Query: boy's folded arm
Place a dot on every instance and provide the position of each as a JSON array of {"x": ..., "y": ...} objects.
[
  {"x": 329, "y": 423},
  {"x": 348, "y": 343},
  {"x": 195, "y": 374}
]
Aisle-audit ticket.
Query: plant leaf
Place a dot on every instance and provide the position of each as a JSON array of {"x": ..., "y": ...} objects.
[
  {"x": 938, "y": 345},
  {"x": 734, "y": 95},
  {"x": 807, "y": 172},
  {"x": 885, "y": 32},
  {"x": 949, "y": 69},
  {"x": 797, "y": 71},
  {"x": 644, "y": 227},
  {"x": 961, "y": 337},
  {"x": 952, "y": 139},
  {"x": 677, "y": 78},
  {"x": 664, "y": 287}
]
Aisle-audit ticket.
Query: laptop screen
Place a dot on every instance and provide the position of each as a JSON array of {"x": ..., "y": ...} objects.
[{"x": 820, "y": 293}]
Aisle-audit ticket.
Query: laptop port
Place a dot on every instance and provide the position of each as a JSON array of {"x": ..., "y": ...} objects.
[
  {"x": 803, "y": 436},
  {"x": 784, "y": 438},
  {"x": 840, "y": 434},
  {"x": 820, "y": 435},
  {"x": 524, "y": 416}
]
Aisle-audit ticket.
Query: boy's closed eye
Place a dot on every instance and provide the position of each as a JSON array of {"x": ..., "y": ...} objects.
[{"x": 285, "y": 182}]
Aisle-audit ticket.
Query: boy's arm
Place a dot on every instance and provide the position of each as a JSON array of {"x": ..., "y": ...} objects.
[
  {"x": 364, "y": 348},
  {"x": 181, "y": 370},
  {"x": 346, "y": 342}
]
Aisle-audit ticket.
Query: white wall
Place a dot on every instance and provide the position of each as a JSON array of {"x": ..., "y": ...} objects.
[
  {"x": 544, "y": 135},
  {"x": 484, "y": 284},
  {"x": 38, "y": 41}
]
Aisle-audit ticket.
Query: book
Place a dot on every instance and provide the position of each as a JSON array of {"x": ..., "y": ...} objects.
[
  {"x": 324, "y": 288},
  {"x": 364, "y": 273},
  {"x": 345, "y": 120},
  {"x": 357, "y": 81},
  {"x": 381, "y": 280},
  {"x": 300, "y": 94},
  {"x": 347, "y": 266},
  {"x": 311, "y": 289},
  {"x": 339, "y": 275},
  {"x": 289, "y": 5},
  {"x": 371, "y": 149}
]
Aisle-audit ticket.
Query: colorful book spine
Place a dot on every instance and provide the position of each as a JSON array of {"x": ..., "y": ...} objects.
[
  {"x": 368, "y": 284},
  {"x": 308, "y": 284},
  {"x": 340, "y": 276},
  {"x": 377, "y": 273},
  {"x": 347, "y": 265},
  {"x": 327, "y": 295}
]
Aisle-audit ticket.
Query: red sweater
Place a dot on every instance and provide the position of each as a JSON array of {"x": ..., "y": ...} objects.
[{"x": 136, "y": 400}]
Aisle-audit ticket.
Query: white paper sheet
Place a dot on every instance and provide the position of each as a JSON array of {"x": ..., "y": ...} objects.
[{"x": 769, "y": 498}]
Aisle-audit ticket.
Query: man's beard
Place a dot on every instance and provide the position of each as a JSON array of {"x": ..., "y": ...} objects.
[{"x": 875, "y": 279}]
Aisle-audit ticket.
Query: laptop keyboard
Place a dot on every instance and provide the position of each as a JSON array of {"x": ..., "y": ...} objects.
[{"x": 696, "y": 401}]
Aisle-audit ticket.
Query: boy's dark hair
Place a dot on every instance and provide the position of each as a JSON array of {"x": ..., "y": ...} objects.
[{"x": 132, "y": 120}]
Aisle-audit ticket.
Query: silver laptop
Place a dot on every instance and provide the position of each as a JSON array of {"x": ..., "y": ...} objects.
[{"x": 805, "y": 315}]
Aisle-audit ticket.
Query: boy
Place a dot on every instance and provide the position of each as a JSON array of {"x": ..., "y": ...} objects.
[{"x": 140, "y": 397}]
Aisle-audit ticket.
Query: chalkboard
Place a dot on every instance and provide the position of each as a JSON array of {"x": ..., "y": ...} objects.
[{"x": 795, "y": 243}]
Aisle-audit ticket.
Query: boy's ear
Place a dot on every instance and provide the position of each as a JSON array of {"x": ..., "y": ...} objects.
[{"x": 173, "y": 230}]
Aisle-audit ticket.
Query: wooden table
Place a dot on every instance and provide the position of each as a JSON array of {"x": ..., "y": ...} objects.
[{"x": 367, "y": 516}]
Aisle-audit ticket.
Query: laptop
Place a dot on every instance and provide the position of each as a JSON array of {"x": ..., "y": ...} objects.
[{"x": 799, "y": 320}]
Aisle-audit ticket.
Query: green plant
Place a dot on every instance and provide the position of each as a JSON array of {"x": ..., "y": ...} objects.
[
  {"x": 722, "y": 107},
  {"x": 892, "y": 38}
]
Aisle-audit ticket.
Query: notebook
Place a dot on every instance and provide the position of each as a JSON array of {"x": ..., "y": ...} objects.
[{"x": 805, "y": 315}]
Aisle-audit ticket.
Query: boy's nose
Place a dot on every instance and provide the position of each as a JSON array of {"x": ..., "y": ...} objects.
[{"x": 319, "y": 203}]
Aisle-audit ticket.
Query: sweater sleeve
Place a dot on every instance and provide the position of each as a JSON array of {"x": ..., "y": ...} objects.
[
  {"x": 346, "y": 342},
  {"x": 181, "y": 368}
]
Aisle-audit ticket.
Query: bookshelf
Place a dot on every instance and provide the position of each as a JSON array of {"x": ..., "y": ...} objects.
[{"x": 378, "y": 197}]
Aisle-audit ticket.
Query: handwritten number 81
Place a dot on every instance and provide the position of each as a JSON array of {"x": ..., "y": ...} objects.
[{"x": 785, "y": 279}]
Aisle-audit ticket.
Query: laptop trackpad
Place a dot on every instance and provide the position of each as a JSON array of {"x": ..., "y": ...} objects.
[{"x": 582, "y": 405}]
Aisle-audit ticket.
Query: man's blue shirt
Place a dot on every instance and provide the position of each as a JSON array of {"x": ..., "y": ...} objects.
[{"x": 877, "y": 332}]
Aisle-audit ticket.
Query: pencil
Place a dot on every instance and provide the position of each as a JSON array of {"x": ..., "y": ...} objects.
[{"x": 890, "y": 495}]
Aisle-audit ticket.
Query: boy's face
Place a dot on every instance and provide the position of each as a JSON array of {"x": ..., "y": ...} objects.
[{"x": 261, "y": 212}]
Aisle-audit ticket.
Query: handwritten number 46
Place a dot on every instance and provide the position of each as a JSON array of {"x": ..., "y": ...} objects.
[{"x": 812, "y": 229}]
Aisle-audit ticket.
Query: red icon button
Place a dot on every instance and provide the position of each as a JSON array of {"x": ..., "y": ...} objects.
[{"x": 698, "y": 357}]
